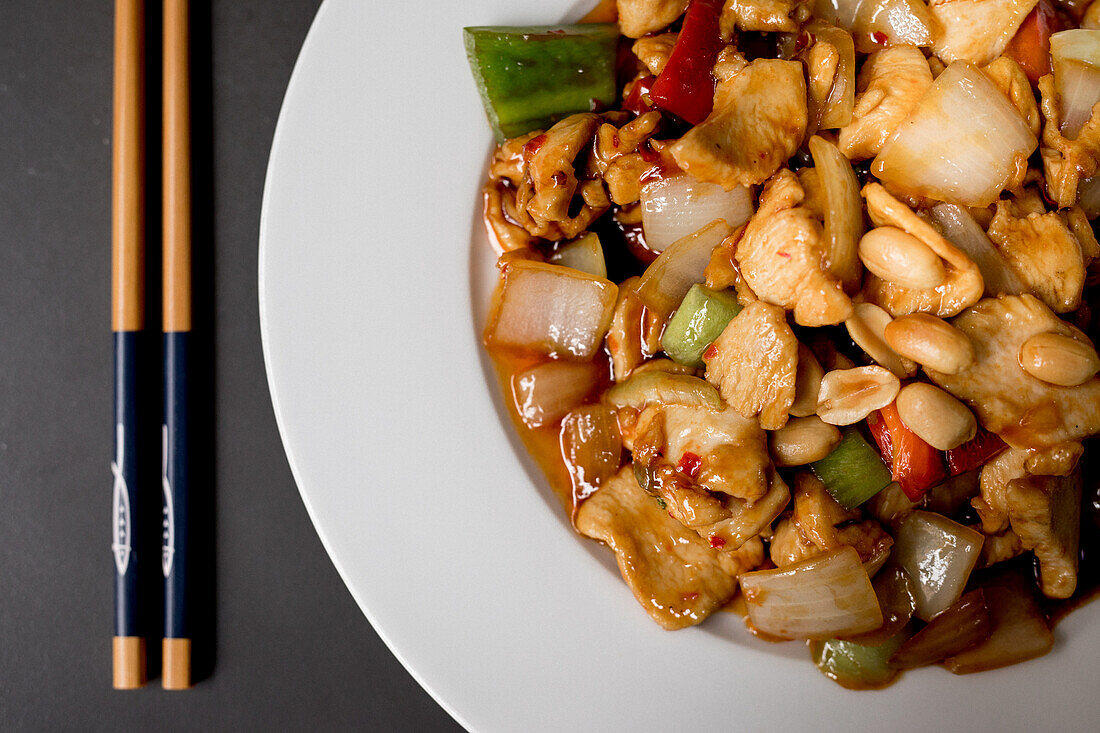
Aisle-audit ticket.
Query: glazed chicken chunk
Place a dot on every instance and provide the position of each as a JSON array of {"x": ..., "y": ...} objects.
[
  {"x": 676, "y": 575},
  {"x": 977, "y": 30},
  {"x": 782, "y": 257},
  {"x": 758, "y": 122},
  {"x": 754, "y": 364},
  {"x": 890, "y": 84},
  {"x": 1043, "y": 253},
  {"x": 1027, "y": 412},
  {"x": 638, "y": 18}
]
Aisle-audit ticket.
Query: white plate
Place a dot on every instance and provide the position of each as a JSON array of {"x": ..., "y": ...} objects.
[{"x": 372, "y": 297}]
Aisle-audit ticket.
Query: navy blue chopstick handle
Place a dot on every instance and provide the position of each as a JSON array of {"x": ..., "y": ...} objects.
[
  {"x": 174, "y": 483},
  {"x": 124, "y": 472}
]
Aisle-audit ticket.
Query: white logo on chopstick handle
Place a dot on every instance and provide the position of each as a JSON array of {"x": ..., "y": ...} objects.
[
  {"x": 168, "y": 520},
  {"x": 120, "y": 533}
]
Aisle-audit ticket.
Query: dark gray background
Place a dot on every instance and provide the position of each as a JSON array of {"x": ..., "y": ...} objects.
[{"x": 291, "y": 650}]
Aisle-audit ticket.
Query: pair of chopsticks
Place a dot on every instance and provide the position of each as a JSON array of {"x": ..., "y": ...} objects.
[{"x": 128, "y": 321}]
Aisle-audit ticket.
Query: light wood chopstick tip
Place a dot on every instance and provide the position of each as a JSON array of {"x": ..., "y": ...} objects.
[
  {"x": 176, "y": 670},
  {"x": 128, "y": 653}
]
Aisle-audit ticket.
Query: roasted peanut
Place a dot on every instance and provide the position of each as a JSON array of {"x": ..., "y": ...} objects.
[
  {"x": 935, "y": 416},
  {"x": 803, "y": 440},
  {"x": 807, "y": 383},
  {"x": 931, "y": 342},
  {"x": 898, "y": 257},
  {"x": 849, "y": 395},
  {"x": 1058, "y": 359},
  {"x": 866, "y": 327}
]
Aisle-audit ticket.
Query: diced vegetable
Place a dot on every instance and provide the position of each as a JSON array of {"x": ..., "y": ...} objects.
[
  {"x": 945, "y": 149},
  {"x": 665, "y": 282},
  {"x": 843, "y": 212},
  {"x": 974, "y": 453},
  {"x": 820, "y": 598},
  {"x": 551, "y": 309},
  {"x": 1030, "y": 47},
  {"x": 642, "y": 388},
  {"x": 1088, "y": 191},
  {"x": 965, "y": 623},
  {"x": 951, "y": 495},
  {"x": 1076, "y": 58},
  {"x": 685, "y": 87},
  {"x": 1020, "y": 631},
  {"x": 676, "y": 206},
  {"x": 584, "y": 254},
  {"x": 959, "y": 226},
  {"x": 531, "y": 77},
  {"x": 591, "y": 447},
  {"x": 545, "y": 392},
  {"x": 894, "y": 590},
  {"x": 836, "y": 110},
  {"x": 857, "y": 666},
  {"x": 699, "y": 320},
  {"x": 938, "y": 555},
  {"x": 853, "y": 472},
  {"x": 914, "y": 464},
  {"x": 876, "y": 23}
]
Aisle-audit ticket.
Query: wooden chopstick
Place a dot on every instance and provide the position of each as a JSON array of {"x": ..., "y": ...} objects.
[
  {"x": 176, "y": 645},
  {"x": 127, "y": 322}
]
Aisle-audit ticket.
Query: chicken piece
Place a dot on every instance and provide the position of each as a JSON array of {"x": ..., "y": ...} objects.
[
  {"x": 504, "y": 234},
  {"x": 674, "y": 574},
  {"x": 634, "y": 334},
  {"x": 963, "y": 285},
  {"x": 533, "y": 185},
  {"x": 730, "y": 63},
  {"x": 758, "y": 122},
  {"x": 1066, "y": 162},
  {"x": 782, "y": 256},
  {"x": 653, "y": 51},
  {"x": 995, "y": 475},
  {"x": 732, "y": 449},
  {"x": 754, "y": 362},
  {"x": 1043, "y": 253},
  {"x": 977, "y": 30},
  {"x": 733, "y": 459},
  {"x": 1011, "y": 79},
  {"x": 819, "y": 524},
  {"x": 1078, "y": 222},
  {"x": 789, "y": 546},
  {"x": 1055, "y": 460},
  {"x": 618, "y": 159},
  {"x": 1024, "y": 411},
  {"x": 748, "y": 520},
  {"x": 1045, "y": 512},
  {"x": 722, "y": 271},
  {"x": 722, "y": 451},
  {"x": 890, "y": 84},
  {"x": 999, "y": 548},
  {"x": 773, "y": 16},
  {"x": 823, "y": 521},
  {"x": 638, "y": 18}
]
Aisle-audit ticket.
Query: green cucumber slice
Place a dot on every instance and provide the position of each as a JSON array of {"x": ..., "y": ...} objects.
[
  {"x": 531, "y": 77},
  {"x": 853, "y": 472},
  {"x": 857, "y": 666},
  {"x": 699, "y": 320}
]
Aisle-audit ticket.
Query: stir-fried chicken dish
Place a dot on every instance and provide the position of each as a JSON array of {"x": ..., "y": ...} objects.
[{"x": 797, "y": 306}]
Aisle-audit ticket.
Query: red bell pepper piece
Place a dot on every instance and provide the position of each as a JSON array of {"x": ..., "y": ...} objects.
[
  {"x": 685, "y": 86},
  {"x": 1030, "y": 47},
  {"x": 974, "y": 453},
  {"x": 914, "y": 464}
]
